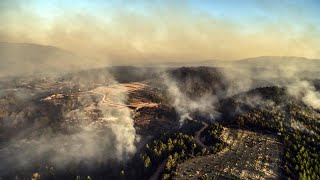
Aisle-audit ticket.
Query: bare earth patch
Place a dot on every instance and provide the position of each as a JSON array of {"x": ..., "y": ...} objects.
[
  {"x": 109, "y": 92},
  {"x": 250, "y": 155}
]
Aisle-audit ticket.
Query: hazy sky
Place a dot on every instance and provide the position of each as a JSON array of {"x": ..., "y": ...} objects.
[{"x": 148, "y": 31}]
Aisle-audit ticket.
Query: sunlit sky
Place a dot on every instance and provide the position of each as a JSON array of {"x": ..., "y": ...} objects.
[{"x": 130, "y": 31}]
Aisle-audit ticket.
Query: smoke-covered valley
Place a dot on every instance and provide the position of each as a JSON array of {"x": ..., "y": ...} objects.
[
  {"x": 64, "y": 117},
  {"x": 53, "y": 122}
]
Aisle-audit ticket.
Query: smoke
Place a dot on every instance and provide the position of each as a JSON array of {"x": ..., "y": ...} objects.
[
  {"x": 141, "y": 32},
  {"x": 306, "y": 92},
  {"x": 292, "y": 73},
  {"x": 238, "y": 80},
  {"x": 27, "y": 59},
  {"x": 294, "y": 78},
  {"x": 90, "y": 132},
  {"x": 197, "y": 90},
  {"x": 187, "y": 104}
]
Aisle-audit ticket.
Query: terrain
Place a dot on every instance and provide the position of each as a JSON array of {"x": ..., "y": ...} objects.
[
  {"x": 249, "y": 155},
  {"x": 126, "y": 122}
]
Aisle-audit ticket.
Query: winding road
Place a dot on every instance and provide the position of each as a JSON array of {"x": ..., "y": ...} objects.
[
  {"x": 110, "y": 103},
  {"x": 114, "y": 90},
  {"x": 160, "y": 169},
  {"x": 197, "y": 136}
]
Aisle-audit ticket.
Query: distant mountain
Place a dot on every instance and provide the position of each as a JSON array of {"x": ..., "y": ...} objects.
[
  {"x": 278, "y": 60},
  {"x": 299, "y": 66},
  {"x": 262, "y": 61},
  {"x": 272, "y": 66},
  {"x": 24, "y": 58},
  {"x": 267, "y": 61}
]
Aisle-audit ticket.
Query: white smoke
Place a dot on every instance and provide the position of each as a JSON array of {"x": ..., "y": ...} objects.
[
  {"x": 185, "y": 105},
  {"x": 282, "y": 74},
  {"x": 79, "y": 138},
  {"x": 306, "y": 92}
]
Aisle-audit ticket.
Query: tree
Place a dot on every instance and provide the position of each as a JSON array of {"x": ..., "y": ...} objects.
[{"x": 147, "y": 161}]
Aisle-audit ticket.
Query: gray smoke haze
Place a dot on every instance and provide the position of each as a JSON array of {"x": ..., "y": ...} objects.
[
  {"x": 80, "y": 138},
  {"x": 166, "y": 30},
  {"x": 18, "y": 59},
  {"x": 186, "y": 105},
  {"x": 306, "y": 92},
  {"x": 292, "y": 73},
  {"x": 111, "y": 137},
  {"x": 295, "y": 74}
]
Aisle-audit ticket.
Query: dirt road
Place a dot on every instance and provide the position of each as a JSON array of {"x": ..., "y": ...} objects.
[
  {"x": 109, "y": 95},
  {"x": 160, "y": 169},
  {"x": 197, "y": 136}
]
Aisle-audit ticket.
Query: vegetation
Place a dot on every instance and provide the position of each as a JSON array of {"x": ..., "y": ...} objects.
[
  {"x": 211, "y": 137},
  {"x": 297, "y": 125},
  {"x": 299, "y": 130},
  {"x": 195, "y": 81},
  {"x": 177, "y": 148}
]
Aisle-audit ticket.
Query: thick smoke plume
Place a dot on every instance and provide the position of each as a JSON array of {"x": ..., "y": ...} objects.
[
  {"x": 186, "y": 106},
  {"x": 188, "y": 99},
  {"x": 306, "y": 92}
]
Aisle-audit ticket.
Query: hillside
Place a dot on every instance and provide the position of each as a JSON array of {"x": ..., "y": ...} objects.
[{"x": 21, "y": 58}]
